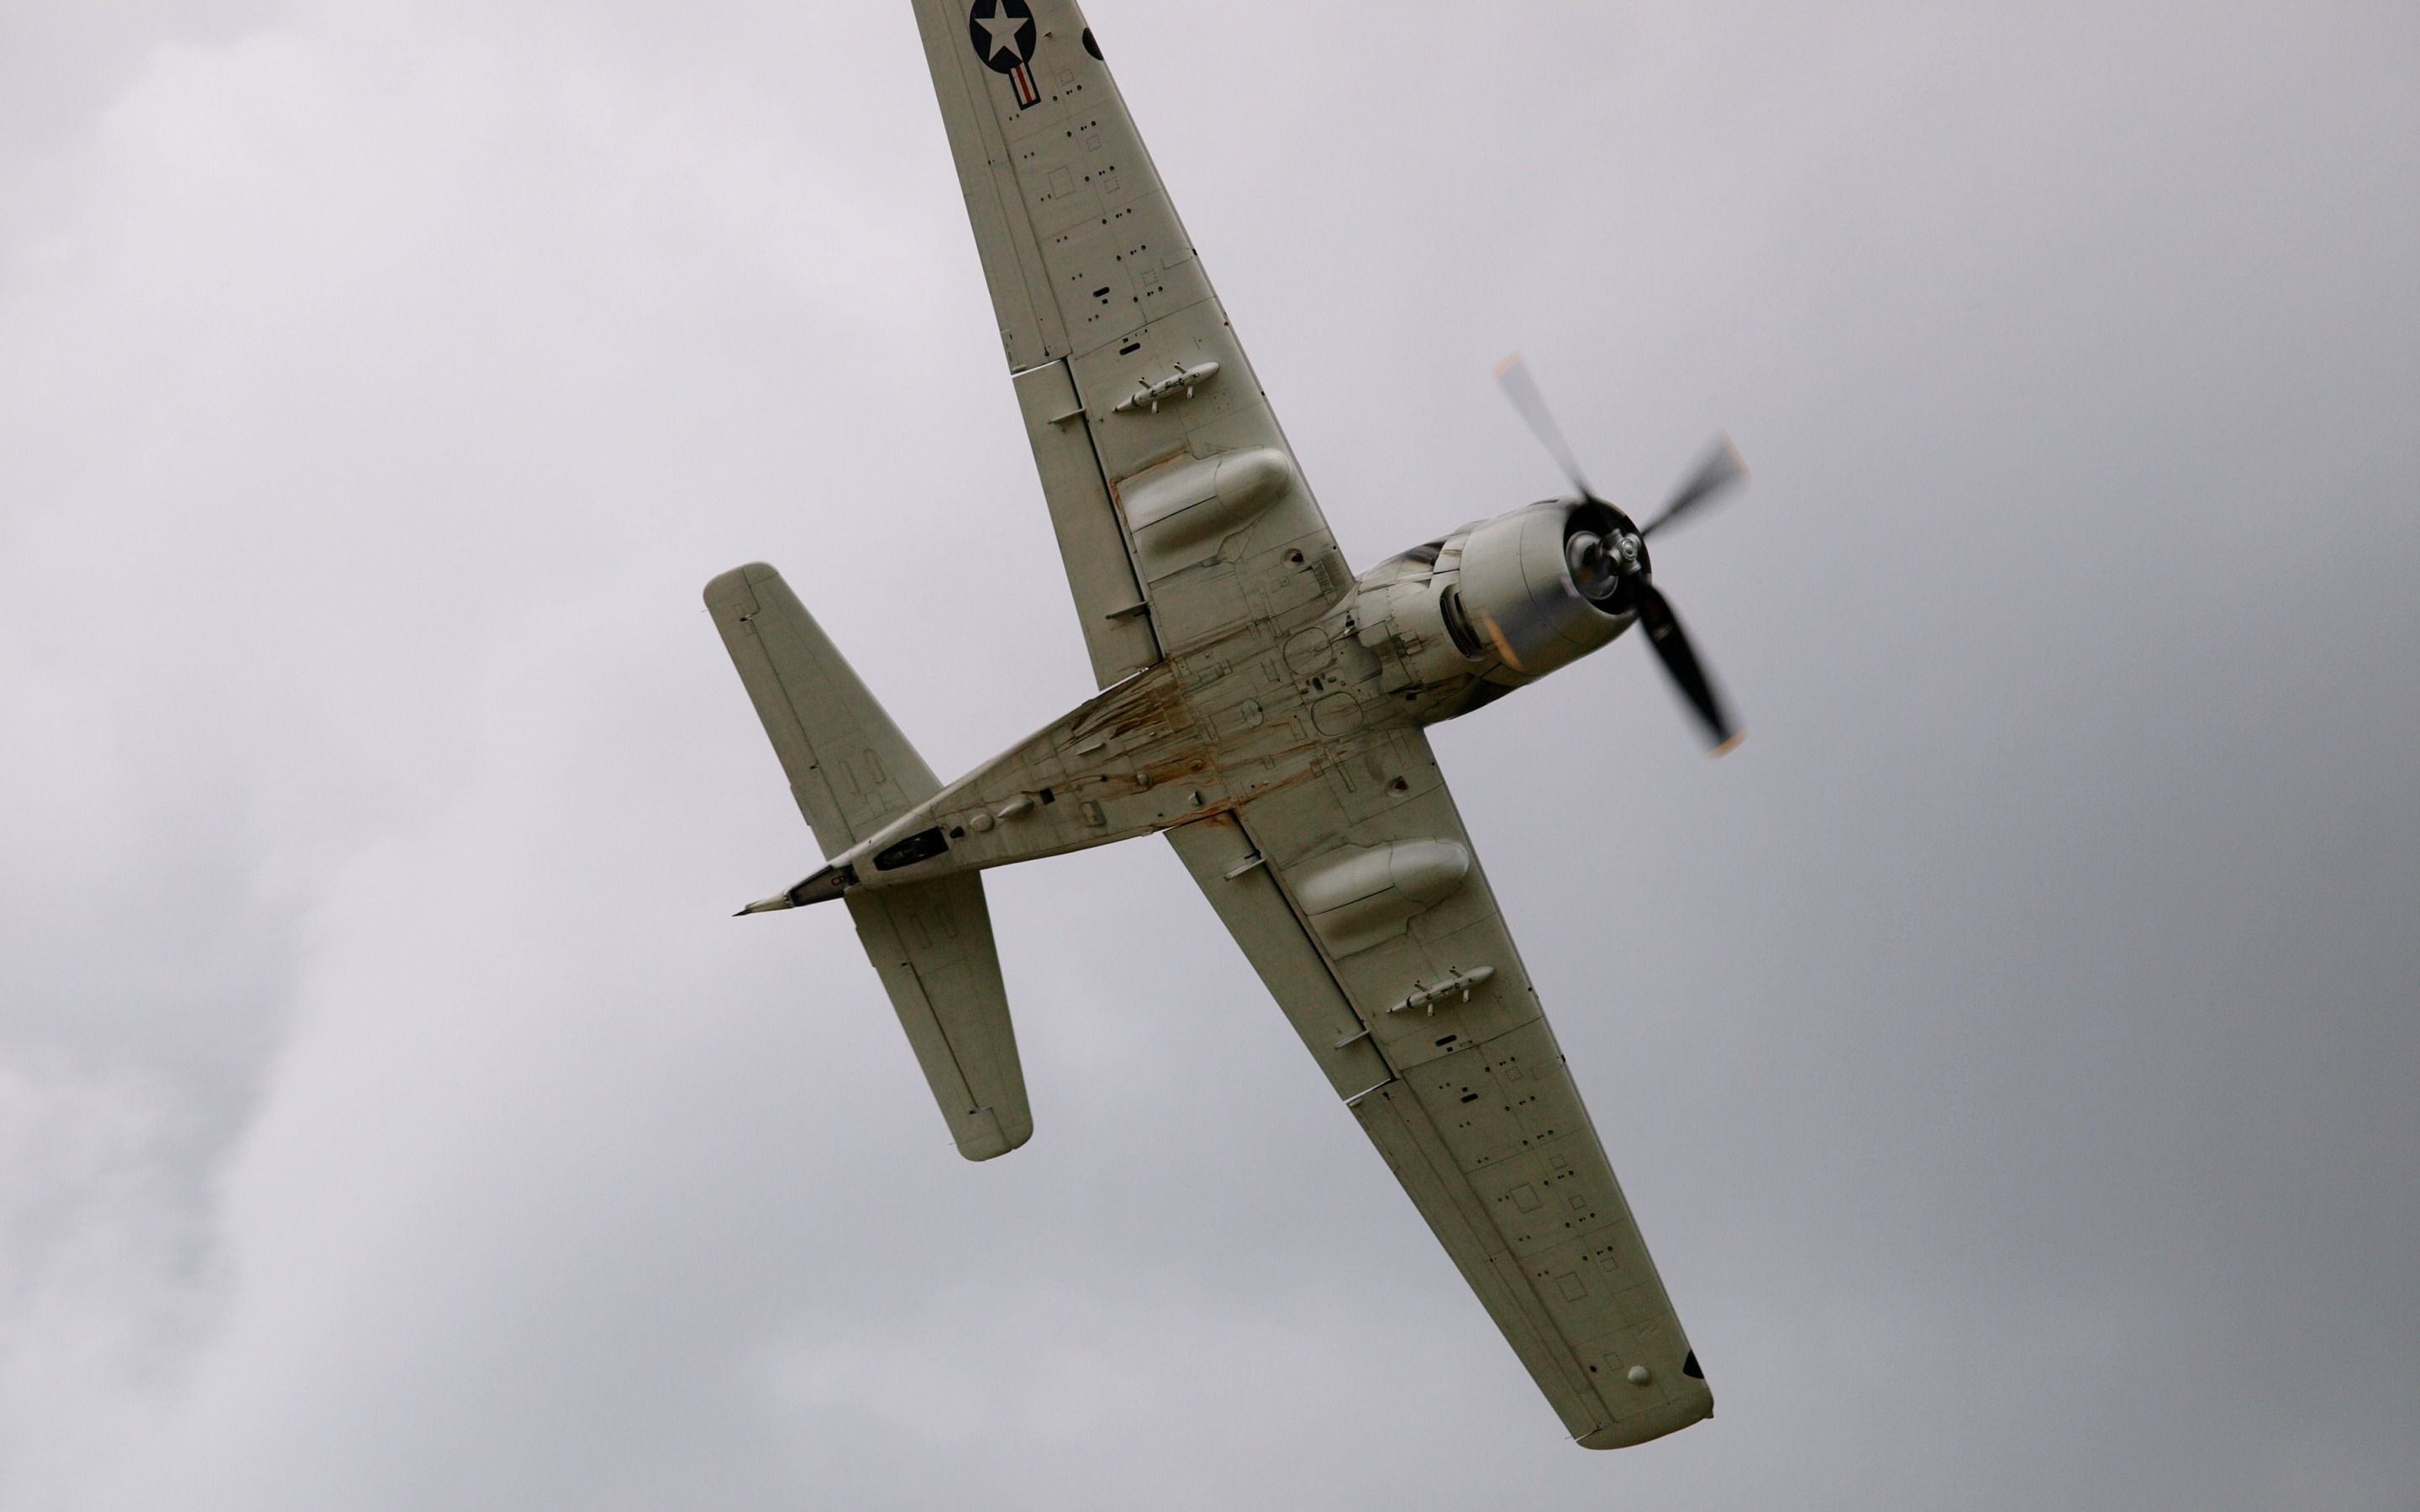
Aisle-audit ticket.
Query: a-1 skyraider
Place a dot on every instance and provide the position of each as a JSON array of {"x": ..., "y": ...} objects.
[{"x": 1261, "y": 706}]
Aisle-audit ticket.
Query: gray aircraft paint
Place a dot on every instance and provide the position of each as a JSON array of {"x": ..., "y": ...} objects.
[{"x": 1281, "y": 716}]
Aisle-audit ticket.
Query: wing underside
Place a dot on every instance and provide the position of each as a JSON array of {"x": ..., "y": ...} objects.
[
  {"x": 1177, "y": 504},
  {"x": 1466, "y": 1095},
  {"x": 1184, "y": 523}
]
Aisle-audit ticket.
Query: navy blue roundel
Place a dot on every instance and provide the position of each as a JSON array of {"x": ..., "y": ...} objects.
[{"x": 1003, "y": 32}]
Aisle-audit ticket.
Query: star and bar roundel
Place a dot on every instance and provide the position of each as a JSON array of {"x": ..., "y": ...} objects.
[{"x": 1005, "y": 35}]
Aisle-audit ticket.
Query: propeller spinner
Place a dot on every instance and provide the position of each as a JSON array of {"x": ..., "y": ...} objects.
[{"x": 1607, "y": 553}]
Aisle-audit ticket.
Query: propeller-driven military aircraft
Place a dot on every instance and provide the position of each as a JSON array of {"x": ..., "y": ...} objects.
[{"x": 1261, "y": 706}]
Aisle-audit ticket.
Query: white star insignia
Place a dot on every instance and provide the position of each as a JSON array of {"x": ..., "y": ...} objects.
[{"x": 1004, "y": 28}]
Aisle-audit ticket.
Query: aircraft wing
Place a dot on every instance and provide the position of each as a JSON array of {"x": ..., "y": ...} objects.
[
  {"x": 1357, "y": 899},
  {"x": 1179, "y": 510}
]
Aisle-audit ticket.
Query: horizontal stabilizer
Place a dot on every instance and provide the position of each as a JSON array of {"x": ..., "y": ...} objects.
[
  {"x": 849, "y": 767},
  {"x": 932, "y": 943},
  {"x": 852, "y": 772}
]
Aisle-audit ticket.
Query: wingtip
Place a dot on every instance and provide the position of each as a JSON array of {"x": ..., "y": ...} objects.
[{"x": 1728, "y": 746}]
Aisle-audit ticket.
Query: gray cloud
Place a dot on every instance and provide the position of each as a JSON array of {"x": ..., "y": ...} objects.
[{"x": 2007, "y": 1052}]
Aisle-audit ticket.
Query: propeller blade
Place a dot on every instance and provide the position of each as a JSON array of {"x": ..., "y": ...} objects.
[
  {"x": 1672, "y": 644},
  {"x": 1519, "y": 387},
  {"x": 1721, "y": 468}
]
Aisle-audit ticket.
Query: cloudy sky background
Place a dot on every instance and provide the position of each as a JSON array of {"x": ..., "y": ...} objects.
[{"x": 2009, "y": 1051}]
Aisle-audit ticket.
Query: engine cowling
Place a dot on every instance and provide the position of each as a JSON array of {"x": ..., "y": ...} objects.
[
  {"x": 1494, "y": 606},
  {"x": 1517, "y": 594}
]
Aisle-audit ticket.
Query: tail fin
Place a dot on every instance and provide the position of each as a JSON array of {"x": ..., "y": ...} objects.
[{"x": 850, "y": 769}]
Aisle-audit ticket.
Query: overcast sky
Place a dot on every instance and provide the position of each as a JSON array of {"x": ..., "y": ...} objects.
[{"x": 2009, "y": 1051}]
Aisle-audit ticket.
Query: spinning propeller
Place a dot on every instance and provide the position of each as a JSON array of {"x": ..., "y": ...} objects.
[{"x": 1607, "y": 552}]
